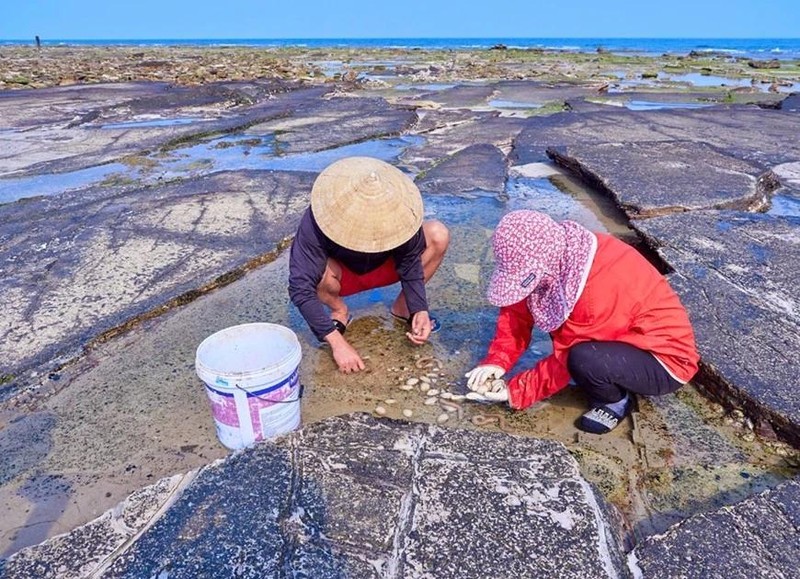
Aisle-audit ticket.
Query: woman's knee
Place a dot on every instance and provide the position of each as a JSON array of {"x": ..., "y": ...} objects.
[{"x": 581, "y": 360}]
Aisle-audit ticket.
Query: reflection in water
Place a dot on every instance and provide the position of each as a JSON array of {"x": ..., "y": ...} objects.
[
  {"x": 229, "y": 153},
  {"x": 425, "y": 87},
  {"x": 505, "y": 104},
  {"x": 155, "y": 123},
  {"x": 655, "y": 106},
  {"x": 384, "y": 149},
  {"x": 46, "y": 185},
  {"x": 785, "y": 205}
]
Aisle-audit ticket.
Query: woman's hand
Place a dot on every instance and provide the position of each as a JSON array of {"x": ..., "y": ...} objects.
[{"x": 484, "y": 374}]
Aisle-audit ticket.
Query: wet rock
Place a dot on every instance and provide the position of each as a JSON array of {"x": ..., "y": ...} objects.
[
  {"x": 324, "y": 124},
  {"x": 85, "y": 549},
  {"x": 57, "y": 294},
  {"x": 480, "y": 167},
  {"x": 357, "y": 497},
  {"x": 656, "y": 178},
  {"x": 62, "y": 126},
  {"x": 791, "y": 104},
  {"x": 756, "y": 538},
  {"x": 25, "y": 443},
  {"x": 762, "y": 64},
  {"x": 736, "y": 274},
  {"x": 763, "y": 137},
  {"x": 463, "y": 96},
  {"x": 466, "y": 129}
]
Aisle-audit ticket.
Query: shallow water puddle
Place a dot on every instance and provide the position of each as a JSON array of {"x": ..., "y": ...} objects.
[
  {"x": 227, "y": 153},
  {"x": 655, "y": 106},
  {"x": 506, "y": 104},
  {"x": 435, "y": 87},
  {"x": 387, "y": 149},
  {"x": 704, "y": 80},
  {"x": 697, "y": 79},
  {"x": 157, "y": 122},
  {"x": 249, "y": 152},
  {"x": 54, "y": 184},
  {"x": 784, "y": 206}
]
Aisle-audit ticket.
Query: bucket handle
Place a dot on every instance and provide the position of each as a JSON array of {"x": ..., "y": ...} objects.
[{"x": 299, "y": 396}]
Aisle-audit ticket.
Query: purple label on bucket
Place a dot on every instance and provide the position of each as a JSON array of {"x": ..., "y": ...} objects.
[{"x": 223, "y": 404}]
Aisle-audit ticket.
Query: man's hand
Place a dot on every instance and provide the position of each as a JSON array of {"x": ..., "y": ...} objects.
[
  {"x": 345, "y": 355},
  {"x": 420, "y": 328}
]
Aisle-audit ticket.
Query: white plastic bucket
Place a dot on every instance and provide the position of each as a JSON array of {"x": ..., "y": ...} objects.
[{"x": 251, "y": 377}]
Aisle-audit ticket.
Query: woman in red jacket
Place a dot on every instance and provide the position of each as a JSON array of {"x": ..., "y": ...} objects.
[{"x": 616, "y": 324}]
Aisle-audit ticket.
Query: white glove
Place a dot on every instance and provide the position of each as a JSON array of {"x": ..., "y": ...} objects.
[
  {"x": 483, "y": 376},
  {"x": 499, "y": 396}
]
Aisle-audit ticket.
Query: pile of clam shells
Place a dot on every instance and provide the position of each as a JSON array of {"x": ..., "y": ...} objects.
[{"x": 427, "y": 383}]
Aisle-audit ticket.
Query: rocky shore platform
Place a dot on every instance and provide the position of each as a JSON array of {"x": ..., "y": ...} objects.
[{"x": 140, "y": 212}]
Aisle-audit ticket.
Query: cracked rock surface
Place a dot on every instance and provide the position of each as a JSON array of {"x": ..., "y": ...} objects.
[
  {"x": 357, "y": 497},
  {"x": 759, "y": 537}
]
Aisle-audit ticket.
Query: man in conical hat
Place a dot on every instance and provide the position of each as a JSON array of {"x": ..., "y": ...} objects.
[{"x": 364, "y": 230}]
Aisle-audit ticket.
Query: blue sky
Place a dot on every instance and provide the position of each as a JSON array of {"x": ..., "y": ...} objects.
[{"x": 113, "y": 19}]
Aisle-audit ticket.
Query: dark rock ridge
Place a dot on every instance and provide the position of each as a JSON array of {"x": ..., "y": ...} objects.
[
  {"x": 480, "y": 167},
  {"x": 757, "y": 538},
  {"x": 356, "y": 497},
  {"x": 655, "y": 178},
  {"x": 736, "y": 273}
]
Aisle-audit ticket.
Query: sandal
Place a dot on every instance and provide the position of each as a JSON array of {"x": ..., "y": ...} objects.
[
  {"x": 603, "y": 419},
  {"x": 435, "y": 325}
]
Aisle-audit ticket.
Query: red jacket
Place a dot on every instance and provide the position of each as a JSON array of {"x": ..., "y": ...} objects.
[{"x": 625, "y": 299}]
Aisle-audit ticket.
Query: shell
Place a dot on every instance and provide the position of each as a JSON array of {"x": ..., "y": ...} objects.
[
  {"x": 430, "y": 401},
  {"x": 407, "y": 413},
  {"x": 425, "y": 379},
  {"x": 457, "y": 397},
  {"x": 405, "y": 387},
  {"x": 433, "y": 392},
  {"x": 412, "y": 381},
  {"x": 424, "y": 387},
  {"x": 389, "y": 401},
  {"x": 380, "y": 410},
  {"x": 428, "y": 362},
  {"x": 446, "y": 396},
  {"x": 443, "y": 417},
  {"x": 513, "y": 501}
]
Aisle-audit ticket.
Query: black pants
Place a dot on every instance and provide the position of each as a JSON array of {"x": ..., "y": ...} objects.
[{"x": 606, "y": 371}]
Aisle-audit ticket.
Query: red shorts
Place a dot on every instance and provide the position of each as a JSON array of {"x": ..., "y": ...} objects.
[{"x": 352, "y": 283}]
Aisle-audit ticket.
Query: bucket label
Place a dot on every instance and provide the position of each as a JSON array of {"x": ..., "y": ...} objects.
[{"x": 273, "y": 411}]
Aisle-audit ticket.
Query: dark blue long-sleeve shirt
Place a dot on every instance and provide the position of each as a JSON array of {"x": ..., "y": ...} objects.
[{"x": 309, "y": 256}]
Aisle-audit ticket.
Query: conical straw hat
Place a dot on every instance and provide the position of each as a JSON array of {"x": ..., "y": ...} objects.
[{"x": 366, "y": 205}]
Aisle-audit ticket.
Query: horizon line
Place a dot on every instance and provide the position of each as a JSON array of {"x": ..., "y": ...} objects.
[{"x": 419, "y": 38}]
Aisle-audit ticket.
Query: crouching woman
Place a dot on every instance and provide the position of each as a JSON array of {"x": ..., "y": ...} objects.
[{"x": 617, "y": 326}]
